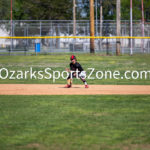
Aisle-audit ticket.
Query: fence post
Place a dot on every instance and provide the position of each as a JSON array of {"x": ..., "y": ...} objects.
[{"x": 118, "y": 47}]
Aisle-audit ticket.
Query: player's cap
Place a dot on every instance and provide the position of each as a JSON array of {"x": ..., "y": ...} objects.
[{"x": 72, "y": 57}]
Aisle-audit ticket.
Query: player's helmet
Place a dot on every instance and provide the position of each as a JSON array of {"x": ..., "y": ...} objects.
[{"x": 73, "y": 57}]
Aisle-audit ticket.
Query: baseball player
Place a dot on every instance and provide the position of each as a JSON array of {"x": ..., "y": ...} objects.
[{"x": 75, "y": 71}]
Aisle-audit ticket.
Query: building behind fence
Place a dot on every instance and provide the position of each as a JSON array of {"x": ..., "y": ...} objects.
[{"x": 65, "y": 28}]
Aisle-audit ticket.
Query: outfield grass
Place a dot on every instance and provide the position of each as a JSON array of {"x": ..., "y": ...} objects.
[
  {"x": 74, "y": 122},
  {"x": 60, "y": 62}
]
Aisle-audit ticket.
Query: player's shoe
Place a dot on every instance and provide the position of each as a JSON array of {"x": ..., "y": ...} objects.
[
  {"x": 86, "y": 86},
  {"x": 68, "y": 86}
]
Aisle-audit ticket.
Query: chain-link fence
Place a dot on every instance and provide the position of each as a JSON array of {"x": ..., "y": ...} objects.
[{"x": 65, "y": 28}]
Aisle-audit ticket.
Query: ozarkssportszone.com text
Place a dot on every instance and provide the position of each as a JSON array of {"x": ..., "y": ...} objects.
[{"x": 90, "y": 74}]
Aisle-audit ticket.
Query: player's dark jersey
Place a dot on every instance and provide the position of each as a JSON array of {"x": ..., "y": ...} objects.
[{"x": 75, "y": 67}]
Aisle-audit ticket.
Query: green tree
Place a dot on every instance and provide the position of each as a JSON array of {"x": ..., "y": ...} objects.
[
  {"x": 136, "y": 9},
  {"x": 43, "y": 9},
  {"x": 62, "y": 9},
  {"x": 5, "y": 9},
  {"x": 109, "y": 9}
]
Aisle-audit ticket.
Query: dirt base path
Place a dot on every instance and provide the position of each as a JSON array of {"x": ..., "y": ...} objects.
[{"x": 50, "y": 89}]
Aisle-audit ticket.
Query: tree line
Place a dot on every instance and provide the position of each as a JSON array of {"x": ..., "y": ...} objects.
[{"x": 62, "y": 9}]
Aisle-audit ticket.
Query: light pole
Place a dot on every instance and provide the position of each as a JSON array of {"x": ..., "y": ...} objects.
[
  {"x": 74, "y": 17},
  {"x": 74, "y": 23},
  {"x": 92, "y": 28},
  {"x": 96, "y": 18},
  {"x": 131, "y": 28},
  {"x": 143, "y": 34},
  {"x": 11, "y": 24},
  {"x": 118, "y": 44},
  {"x": 101, "y": 17}
]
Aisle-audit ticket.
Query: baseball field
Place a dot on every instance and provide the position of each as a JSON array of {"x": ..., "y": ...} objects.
[{"x": 40, "y": 114}]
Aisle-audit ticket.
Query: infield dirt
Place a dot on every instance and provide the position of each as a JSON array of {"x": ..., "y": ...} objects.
[{"x": 58, "y": 89}]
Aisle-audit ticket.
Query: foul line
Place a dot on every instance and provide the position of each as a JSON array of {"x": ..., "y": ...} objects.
[{"x": 73, "y": 37}]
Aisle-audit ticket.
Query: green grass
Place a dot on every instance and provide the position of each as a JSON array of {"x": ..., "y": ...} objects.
[
  {"x": 60, "y": 62},
  {"x": 74, "y": 122}
]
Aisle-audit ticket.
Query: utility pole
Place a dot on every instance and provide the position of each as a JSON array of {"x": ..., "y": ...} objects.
[
  {"x": 101, "y": 24},
  {"x": 11, "y": 18},
  {"x": 74, "y": 17},
  {"x": 92, "y": 26},
  {"x": 143, "y": 34},
  {"x": 96, "y": 17},
  {"x": 101, "y": 17},
  {"x": 118, "y": 44},
  {"x": 131, "y": 29}
]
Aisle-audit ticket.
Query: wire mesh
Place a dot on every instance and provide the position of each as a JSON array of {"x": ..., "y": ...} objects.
[{"x": 65, "y": 28}]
